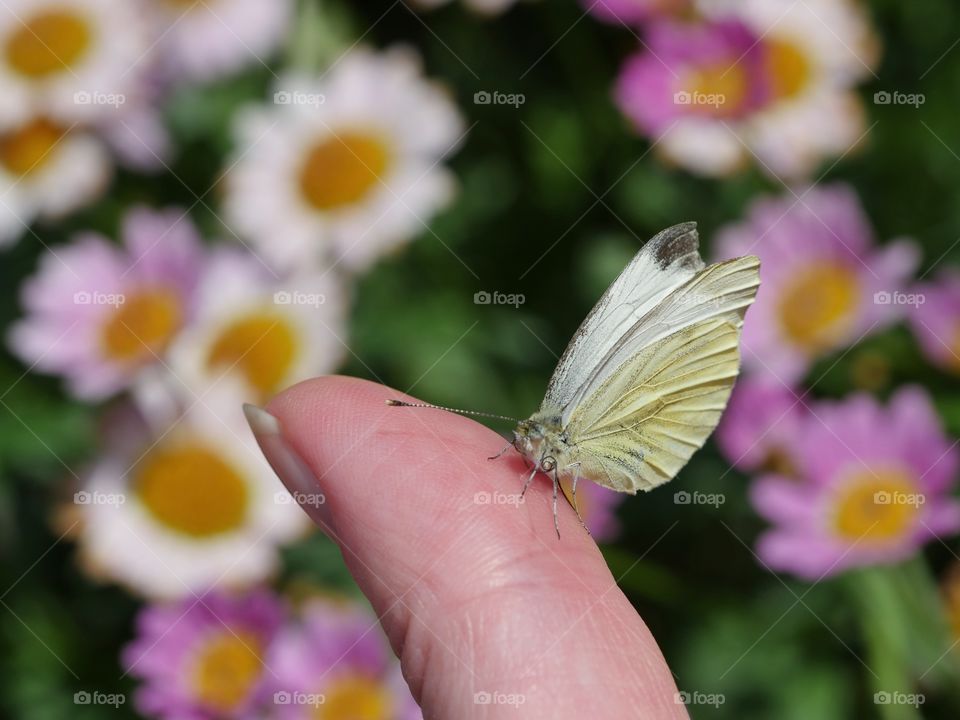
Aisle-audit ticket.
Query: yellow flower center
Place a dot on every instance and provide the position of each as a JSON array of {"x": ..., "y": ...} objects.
[
  {"x": 355, "y": 698},
  {"x": 876, "y": 507},
  {"x": 193, "y": 490},
  {"x": 142, "y": 326},
  {"x": 951, "y": 590},
  {"x": 779, "y": 462},
  {"x": 29, "y": 148},
  {"x": 870, "y": 371},
  {"x": 717, "y": 90},
  {"x": 187, "y": 5},
  {"x": 343, "y": 169},
  {"x": 226, "y": 670},
  {"x": 817, "y": 307},
  {"x": 953, "y": 360},
  {"x": 261, "y": 347},
  {"x": 49, "y": 42},
  {"x": 787, "y": 66}
]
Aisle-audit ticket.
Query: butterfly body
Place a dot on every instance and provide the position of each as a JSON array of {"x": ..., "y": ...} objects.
[{"x": 542, "y": 441}]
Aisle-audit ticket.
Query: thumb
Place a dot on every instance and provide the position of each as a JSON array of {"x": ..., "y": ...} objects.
[{"x": 481, "y": 601}]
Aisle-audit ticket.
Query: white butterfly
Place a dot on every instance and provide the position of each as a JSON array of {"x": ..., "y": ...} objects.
[{"x": 644, "y": 380}]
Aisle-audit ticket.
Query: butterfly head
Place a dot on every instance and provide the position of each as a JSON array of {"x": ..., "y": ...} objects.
[
  {"x": 527, "y": 436},
  {"x": 534, "y": 438}
]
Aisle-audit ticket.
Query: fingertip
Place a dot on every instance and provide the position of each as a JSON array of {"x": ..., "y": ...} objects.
[{"x": 423, "y": 464}]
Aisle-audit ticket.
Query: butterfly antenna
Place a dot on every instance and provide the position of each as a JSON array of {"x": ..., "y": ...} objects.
[{"x": 401, "y": 403}]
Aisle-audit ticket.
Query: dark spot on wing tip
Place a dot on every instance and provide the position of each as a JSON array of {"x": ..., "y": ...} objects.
[
  {"x": 680, "y": 242},
  {"x": 684, "y": 227}
]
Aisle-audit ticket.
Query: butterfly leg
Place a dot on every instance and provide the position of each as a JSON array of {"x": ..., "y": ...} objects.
[
  {"x": 556, "y": 485},
  {"x": 505, "y": 448},
  {"x": 576, "y": 508},
  {"x": 529, "y": 480}
]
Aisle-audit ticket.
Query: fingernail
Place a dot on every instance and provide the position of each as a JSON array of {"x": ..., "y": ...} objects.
[{"x": 293, "y": 472}]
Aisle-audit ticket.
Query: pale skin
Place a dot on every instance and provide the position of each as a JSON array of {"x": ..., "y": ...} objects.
[{"x": 475, "y": 597}]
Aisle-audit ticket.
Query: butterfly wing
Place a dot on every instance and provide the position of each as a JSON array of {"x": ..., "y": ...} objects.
[
  {"x": 642, "y": 424},
  {"x": 656, "y": 396},
  {"x": 724, "y": 290},
  {"x": 665, "y": 263}
]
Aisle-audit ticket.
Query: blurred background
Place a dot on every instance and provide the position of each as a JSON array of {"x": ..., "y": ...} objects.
[{"x": 203, "y": 201}]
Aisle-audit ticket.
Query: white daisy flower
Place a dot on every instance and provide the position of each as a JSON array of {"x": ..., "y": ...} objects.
[
  {"x": 206, "y": 39},
  {"x": 47, "y": 171},
  {"x": 176, "y": 510},
  {"x": 343, "y": 169},
  {"x": 251, "y": 328},
  {"x": 69, "y": 60}
]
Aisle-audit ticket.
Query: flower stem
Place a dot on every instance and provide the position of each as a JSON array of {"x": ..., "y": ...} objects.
[{"x": 907, "y": 637}]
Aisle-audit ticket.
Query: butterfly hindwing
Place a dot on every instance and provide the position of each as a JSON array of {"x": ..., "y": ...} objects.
[{"x": 640, "y": 427}]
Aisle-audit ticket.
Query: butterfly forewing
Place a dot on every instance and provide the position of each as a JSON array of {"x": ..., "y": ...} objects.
[
  {"x": 724, "y": 290},
  {"x": 665, "y": 263}
]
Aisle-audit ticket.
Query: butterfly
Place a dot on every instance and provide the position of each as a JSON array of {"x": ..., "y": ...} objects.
[{"x": 647, "y": 375}]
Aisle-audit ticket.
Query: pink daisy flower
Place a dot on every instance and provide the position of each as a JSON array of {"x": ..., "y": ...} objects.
[
  {"x": 753, "y": 82},
  {"x": 687, "y": 61},
  {"x": 265, "y": 331},
  {"x": 758, "y": 429},
  {"x": 874, "y": 485},
  {"x": 97, "y": 314},
  {"x": 337, "y": 660},
  {"x": 203, "y": 658},
  {"x": 935, "y": 320},
  {"x": 824, "y": 283}
]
